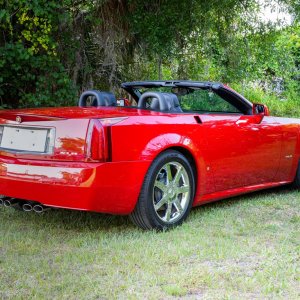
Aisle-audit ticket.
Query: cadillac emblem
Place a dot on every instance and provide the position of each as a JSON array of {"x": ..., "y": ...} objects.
[{"x": 18, "y": 119}]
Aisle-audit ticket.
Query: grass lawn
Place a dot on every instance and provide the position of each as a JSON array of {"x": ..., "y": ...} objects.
[{"x": 242, "y": 248}]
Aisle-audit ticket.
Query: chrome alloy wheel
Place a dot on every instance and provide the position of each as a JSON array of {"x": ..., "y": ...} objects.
[{"x": 171, "y": 192}]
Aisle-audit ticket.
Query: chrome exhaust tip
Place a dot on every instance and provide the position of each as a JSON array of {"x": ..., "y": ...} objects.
[
  {"x": 39, "y": 208},
  {"x": 27, "y": 207},
  {"x": 1, "y": 202},
  {"x": 10, "y": 202},
  {"x": 6, "y": 203}
]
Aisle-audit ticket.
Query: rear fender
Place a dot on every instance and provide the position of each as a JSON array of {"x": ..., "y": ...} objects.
[{"x": 164, "y": 142}]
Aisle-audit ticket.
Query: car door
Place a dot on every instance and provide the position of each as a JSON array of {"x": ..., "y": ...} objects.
[
  {"x": 243, "y": 149},
  {"x": 289, "y": 156}
]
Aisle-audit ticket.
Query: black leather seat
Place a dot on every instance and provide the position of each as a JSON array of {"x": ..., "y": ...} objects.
[
  {"x": 164, "y": 102},
  {"x": 98, "y": 98}
]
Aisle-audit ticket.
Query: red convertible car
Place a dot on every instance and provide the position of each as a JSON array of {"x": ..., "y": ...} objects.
[{"x": 182, "y": 144}]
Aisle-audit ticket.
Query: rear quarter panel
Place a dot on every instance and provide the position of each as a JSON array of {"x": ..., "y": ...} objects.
[{"x": 143, "y": 138}]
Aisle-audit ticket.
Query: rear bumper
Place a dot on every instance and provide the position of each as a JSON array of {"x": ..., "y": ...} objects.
[{"x": 101, "y": 187}]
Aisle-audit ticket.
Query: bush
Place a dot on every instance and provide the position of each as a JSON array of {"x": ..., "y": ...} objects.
[{"x": 285, "y": 105}]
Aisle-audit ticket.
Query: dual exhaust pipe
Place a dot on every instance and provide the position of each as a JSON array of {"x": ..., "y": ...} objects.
[
  {"x": 8, "y": 202},
  {"x": 26, "y": 206},
  {"x": 37, "y": 208}
]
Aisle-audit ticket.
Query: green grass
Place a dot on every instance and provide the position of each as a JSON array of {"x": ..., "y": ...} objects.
[{"x": 243, "y": 248}]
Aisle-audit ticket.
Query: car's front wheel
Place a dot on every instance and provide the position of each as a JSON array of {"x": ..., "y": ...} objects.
[{"x": 167, "y": 193}]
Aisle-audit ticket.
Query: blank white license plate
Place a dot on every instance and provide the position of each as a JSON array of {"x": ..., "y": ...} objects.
[{"x": 24, "y": 139}]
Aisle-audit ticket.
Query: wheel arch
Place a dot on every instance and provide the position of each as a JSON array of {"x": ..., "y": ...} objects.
[
  {"x": 186, "y": 145},
  {"x": 194, "y": 157}
]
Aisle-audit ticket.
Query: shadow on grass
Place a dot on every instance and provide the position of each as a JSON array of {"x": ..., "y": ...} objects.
[{"x": 81, "y": 222}]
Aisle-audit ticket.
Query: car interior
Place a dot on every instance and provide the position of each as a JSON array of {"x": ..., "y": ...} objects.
[{"x": 181, "y": 99}]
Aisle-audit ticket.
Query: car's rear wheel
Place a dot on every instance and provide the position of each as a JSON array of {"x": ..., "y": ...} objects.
[
  {"x": 167, "y": 193},
  {"x": 296, "y": 182}
]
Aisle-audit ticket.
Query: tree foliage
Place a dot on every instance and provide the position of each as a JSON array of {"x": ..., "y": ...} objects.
[
  {"x": 32, "y": 72},
  {"x": 52, "y": 50}
]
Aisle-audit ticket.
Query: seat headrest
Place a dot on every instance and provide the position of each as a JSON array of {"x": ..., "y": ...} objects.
[
  {"x": 98, "y": 98},
  {"x": 154, "y": 104},
  {"x": 164, "y": 102},
  {"x": 173, "y": 102}
]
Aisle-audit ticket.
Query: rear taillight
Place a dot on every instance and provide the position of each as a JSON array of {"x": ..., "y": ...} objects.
[{"x": 96, "y": 147}]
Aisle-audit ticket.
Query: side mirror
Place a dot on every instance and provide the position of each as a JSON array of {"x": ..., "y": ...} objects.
[{"x": 260, "y": 109}]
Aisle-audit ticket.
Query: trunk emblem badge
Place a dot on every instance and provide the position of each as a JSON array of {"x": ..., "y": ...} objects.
[{"x": 18, "y": 119}]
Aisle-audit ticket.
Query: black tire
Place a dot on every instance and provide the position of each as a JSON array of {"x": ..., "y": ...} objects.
[
  {"x": 167, "y": 193},
  {"x": 296, "y": 183}
]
